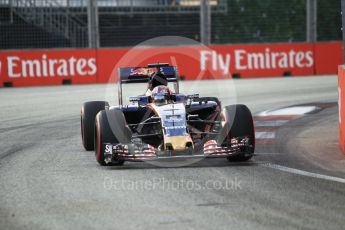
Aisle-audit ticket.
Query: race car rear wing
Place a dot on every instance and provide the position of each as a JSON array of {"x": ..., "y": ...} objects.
[{"x": 142, "y": 75}]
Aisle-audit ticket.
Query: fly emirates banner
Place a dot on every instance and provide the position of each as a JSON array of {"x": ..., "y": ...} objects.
[{"x": 82, "y": 66}]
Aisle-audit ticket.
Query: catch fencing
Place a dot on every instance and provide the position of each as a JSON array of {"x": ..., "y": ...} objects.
[{"x": 30, "y": 24}]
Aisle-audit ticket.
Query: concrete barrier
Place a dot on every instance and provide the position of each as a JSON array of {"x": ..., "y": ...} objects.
[{"x": 341, "y": 104}]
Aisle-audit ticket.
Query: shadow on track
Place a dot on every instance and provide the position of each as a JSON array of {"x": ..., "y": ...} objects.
[{"x": 205, "y": 163}]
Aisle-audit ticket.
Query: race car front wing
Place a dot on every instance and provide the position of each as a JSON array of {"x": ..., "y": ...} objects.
[{"x": 145, "y": 152}]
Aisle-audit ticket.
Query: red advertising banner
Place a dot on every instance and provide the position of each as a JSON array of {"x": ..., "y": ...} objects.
[
  {"x": 201, "y": 62},
  {"x": 48, "y": 67},
  {"x": 80, "y": 66},
  {"x": 186, "y": 58},
  {"x": 328, "y": 56}
]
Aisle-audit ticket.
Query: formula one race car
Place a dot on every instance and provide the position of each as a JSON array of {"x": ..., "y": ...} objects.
[{"x": 165, "y": 124}]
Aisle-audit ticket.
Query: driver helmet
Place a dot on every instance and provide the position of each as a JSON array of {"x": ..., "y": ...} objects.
[{"x": 161, "y": 94}]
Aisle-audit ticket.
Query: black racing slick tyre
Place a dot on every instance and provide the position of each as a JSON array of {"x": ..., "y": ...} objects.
[
  {"x": 87, "y": 122},
  {"x": 239, "y": 123},
  {"x": 110, "y": 127}
]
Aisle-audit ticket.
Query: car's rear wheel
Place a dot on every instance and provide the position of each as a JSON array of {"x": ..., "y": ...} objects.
[
  {"x": 239, "y": 123},
  {"x": 87, "y": 121},
  {"x": 110, "y": 127}
]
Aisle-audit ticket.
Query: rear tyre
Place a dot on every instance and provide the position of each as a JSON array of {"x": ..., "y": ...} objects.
[
  {"x": 110, "y": 127},
  {"x": 239, "y": 123},
  {"x": 87, "y": 122}
]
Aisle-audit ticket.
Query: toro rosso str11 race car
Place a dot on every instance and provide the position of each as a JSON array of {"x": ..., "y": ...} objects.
[{"x": 165, "y": 123}]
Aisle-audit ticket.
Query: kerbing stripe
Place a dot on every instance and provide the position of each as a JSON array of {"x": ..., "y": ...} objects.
[
  {"x": 293, "y": 110},
  {"x": 276, "y": 123},
  {"x": 275, "y": 117}
]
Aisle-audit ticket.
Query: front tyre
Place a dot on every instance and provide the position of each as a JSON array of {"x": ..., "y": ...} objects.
[
  {"x": 111, "y": 128},
  {"x": 87, "y": 121},
  {"x": 239, "y": 123}
]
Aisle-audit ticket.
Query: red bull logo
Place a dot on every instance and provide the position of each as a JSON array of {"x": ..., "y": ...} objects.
[{"x": 142, "y": 71}]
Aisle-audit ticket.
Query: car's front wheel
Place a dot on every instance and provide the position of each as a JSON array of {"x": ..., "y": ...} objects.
[
  {"x": 88, "y": 114},
  {"x": 239, "y": 123},
  {"x": 111, "y": 128}
]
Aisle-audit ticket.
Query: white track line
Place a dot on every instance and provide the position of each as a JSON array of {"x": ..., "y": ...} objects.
[
  {"x": 294, "y": 110},
  {"x": 304, "y": 173},
  {"x": 265, "y": 135}
]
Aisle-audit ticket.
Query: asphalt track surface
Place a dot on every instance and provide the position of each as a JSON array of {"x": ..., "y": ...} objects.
[{"x": 47, "y": 180}]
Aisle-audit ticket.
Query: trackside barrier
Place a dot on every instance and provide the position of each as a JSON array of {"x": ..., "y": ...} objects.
[
  {"x": 1, "y": 78},
  {"x": 341, "y": 104},
  {"x": 221, "y": 62},
  {"x": 48, "y": 67},
  {"x": 328, "y": 56},
  {"x": 82, "y": 66}
]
